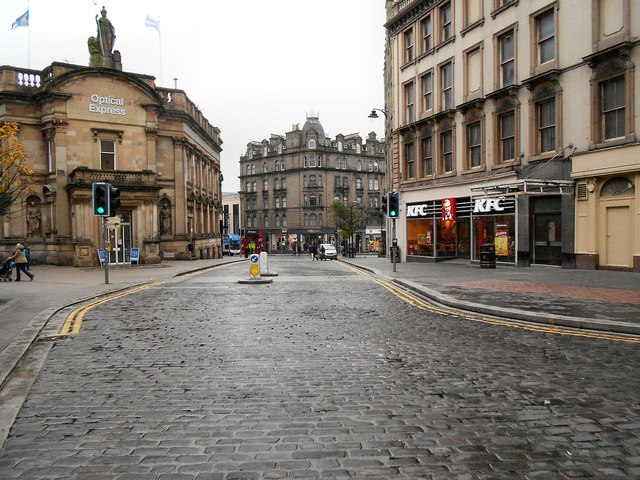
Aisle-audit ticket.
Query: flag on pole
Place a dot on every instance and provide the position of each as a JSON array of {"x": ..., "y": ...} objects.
[
  {"x": 152, "y": 22},
  {"x": 21, "y": 21}
]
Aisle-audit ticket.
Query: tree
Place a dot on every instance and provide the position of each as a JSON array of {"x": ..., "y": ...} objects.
[
  {"x": 15, "y": 175},
  {"x": 348, "y": 218}
]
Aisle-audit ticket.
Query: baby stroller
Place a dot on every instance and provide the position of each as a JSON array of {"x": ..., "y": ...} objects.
[{"x": 5, "y": 271}]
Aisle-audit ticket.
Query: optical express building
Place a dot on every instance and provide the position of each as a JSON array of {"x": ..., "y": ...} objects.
[{"x": 81, "y": 125}]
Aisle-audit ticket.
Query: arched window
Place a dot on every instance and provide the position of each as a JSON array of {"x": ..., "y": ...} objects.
[
  {"x": 313, "y": 220},
  {"x": 618, "y": 187},
  {"x": 264, "y": 167},
  {"x": 253, "y": 169},
  {"x": 312, "y": 143}
]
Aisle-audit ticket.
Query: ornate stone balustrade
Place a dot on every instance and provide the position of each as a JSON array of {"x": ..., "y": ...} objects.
[{"x": 117, "y": 178}]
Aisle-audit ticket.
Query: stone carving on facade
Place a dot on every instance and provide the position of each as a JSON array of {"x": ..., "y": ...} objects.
[
  {"x": 165, "y": 217},
  {"x": 34, "y": 223}
]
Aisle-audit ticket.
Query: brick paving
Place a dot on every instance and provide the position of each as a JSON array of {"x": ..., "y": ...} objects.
[
  {"x": 615, "y": 295},
  {"x": 322, "y": 374}
]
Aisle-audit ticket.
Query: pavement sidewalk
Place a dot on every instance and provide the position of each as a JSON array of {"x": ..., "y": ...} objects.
[{"x": 594, "y": 299}]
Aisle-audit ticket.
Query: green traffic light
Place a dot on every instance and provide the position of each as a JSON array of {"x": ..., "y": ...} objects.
[
  {"x": 392, "y": 213},
  {"x": 100, "y": 210}
]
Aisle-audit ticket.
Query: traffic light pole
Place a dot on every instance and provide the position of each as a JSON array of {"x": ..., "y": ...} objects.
[
  {"x": 105, "y": 241},
  {"x": 394, "y": 247}
]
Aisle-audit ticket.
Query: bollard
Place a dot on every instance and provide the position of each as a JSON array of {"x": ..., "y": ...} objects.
[
  {"x": 264, "y": 266},
  {"x": 254, "y": 269},
  {"x": 255, "y": 276}
]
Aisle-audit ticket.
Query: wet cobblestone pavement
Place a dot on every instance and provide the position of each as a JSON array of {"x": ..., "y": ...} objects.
[{"x": 322, "y": 374}]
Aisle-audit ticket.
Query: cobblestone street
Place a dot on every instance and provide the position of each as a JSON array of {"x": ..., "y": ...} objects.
[{"x": 321, "y": 374}]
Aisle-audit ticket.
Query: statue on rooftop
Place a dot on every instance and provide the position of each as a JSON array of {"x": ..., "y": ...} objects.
[{"x": 106, "y": 33}]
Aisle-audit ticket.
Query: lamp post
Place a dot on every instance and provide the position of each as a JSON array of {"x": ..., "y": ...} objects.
[{"x": 394, "y": 242}]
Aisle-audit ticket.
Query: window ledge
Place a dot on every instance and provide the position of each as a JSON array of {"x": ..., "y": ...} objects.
[
  {"x": 543, "y": 156},
  {"x": 631, "y": 138},
  {"x": 468, "y": 171},
  {"x": 407, "y": 64},
  {"x": 502, "y": 8},
  {"x": 445, "y": 43},
  {"x": 467, "y": 29},
  {"x": 447, "y": 174}
]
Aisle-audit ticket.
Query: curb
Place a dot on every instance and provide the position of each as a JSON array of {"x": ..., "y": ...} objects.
[{"x": 511, "y": 313}]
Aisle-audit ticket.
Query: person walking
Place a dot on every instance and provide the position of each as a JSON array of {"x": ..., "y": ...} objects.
[
  {"x": 314, "y": 251},
  {"x": 20, "y": 260}
]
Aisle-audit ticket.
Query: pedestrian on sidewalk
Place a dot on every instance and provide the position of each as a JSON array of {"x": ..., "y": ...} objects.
[
  {"x": 20, "y": 260},
  {"x": 298, "y": 248},
  {"x": 314, "y": 251}
]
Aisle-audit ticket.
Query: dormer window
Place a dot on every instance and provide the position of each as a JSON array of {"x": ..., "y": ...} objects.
[
  {"x": 312, "y": 143},
  {"x": 339, "y": 146},
  {"x": 265, "y": 150}
]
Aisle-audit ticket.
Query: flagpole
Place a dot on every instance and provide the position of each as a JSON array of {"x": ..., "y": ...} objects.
[
  {"x": 28, "y": 36},
  {"x": 160, "y": 37}
]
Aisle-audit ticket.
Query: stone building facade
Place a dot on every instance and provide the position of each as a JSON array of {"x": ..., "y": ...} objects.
[
  {"x": 502, "y": 110},
  {"x": 85, "y": 124},
  {"x": 289, "y": 181}
]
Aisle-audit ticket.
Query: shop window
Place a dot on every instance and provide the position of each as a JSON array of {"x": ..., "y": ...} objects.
[{"x": 498, "y": 230}]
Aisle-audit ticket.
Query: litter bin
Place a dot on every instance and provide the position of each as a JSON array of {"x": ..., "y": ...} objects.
[{"x": 488, "y": 256}]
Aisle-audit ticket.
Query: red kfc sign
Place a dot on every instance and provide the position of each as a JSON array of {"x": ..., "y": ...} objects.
[{"x": 449, "y": 209}]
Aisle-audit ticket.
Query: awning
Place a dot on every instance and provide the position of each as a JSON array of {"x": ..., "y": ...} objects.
[{"x": 522, "y": 187}]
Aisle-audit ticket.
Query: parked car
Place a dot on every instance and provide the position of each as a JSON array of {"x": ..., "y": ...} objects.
[{"x": 330, "y": 251}]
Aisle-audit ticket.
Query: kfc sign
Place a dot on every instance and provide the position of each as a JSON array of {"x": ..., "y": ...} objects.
[
  {"x": 449, "y": 209},
  {"x": 485, "y": 205},
  {"x": 421, "y": 210}
]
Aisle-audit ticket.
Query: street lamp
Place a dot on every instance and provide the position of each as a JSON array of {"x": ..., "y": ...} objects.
[
  {"x": 394, "y": 244},
  {"x": 373, "y": 113}
]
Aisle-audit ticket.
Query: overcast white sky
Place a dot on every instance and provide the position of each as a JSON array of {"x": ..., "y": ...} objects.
[{"x": 254, "y": 67}]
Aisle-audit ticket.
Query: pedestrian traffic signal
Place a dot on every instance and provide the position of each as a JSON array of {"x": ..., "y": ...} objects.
[
  {"x": 393, "y": 205},
  {"x": 114, "y": 200},
  {"x": 100, "y": 199}
]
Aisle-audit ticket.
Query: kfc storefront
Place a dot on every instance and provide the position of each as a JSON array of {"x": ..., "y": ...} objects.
[{"x": 456, "y": 228}]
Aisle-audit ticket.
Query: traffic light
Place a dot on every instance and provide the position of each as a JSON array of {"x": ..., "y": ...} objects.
[
  {"x": 114, "y": 200},
  {"x": 100, "y": 199},
  {"x": 393, "y": 205}
]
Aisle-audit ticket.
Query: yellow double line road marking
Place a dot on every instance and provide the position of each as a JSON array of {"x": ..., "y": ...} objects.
[
  {"x": 417, "y": 302},
  {"x": 74, "y": 320}
]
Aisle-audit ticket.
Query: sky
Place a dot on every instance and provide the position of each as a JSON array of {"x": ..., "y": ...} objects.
[{"x": 253, "y": 67}]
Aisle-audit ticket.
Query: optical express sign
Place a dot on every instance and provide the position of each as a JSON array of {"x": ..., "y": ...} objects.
[{"x": 106, "y": 105}]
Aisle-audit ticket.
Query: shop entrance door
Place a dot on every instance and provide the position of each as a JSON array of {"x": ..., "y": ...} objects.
[
  {"x": 618, "y": 241},
  {"x": 120, "y": 238},
  {"x": 547, "y": 239}
]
